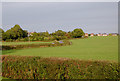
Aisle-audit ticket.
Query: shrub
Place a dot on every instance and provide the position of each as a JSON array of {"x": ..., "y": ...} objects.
[
  {"x": 8, "y": 47},
  {"x": 9, "y": 40},
  {"x": 28, "y": 67}
]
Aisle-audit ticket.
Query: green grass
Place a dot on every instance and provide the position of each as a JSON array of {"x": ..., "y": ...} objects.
[
  {"x": 19, "y": 43},
  {"x": 92, "y": 48}
]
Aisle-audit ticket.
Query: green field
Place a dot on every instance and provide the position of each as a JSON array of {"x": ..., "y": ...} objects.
[{"x": 92, "y": 48}]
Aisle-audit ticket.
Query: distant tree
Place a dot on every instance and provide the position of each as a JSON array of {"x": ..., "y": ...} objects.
[
  {"x": 67, "y": 35},
  {"x": 89, "y": 34},
  {"x": 46, "y": 34},
  {"x": 15, "y": 33},
  {"x": 77, "y": 33},
  {"x": 95, "y": 34},
  {"x": 59, "y": 33},
  {"x": 1, "y": 30},
  {"x": 35, "y": 34},
  {"x": 40, "y": 36},
  {"x": 110, "y": 34},
  {"x": 4, "y": 37},
  {"x": 25, "y": 33},
  {"x": 52, "y": 34},
  {"x": 18, "y": 34},
  {"x": 1, "y": 33}
]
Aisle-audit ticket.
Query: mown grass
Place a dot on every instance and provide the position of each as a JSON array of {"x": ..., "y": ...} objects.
[{"x": 92, "y": 48}]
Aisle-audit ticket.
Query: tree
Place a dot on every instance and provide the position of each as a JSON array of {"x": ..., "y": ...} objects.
[
  {"x": 25, "y": 33},
  {"x": 1, "y": 30},
  {"x": 67, "y": 35},
  {"x": 15, "y": 33},
  {"x": 35, "y": 34},
  {"x": 1, "y": 33},
  {"x": 77, "y": 33},
  {"x": 60, "y": 33},
  {"x": 89, "y": 34},
  {"x": 110, "y": 34},
  {"x": 46, "y": 34}
]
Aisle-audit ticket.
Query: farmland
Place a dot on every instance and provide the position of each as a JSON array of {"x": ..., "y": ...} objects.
[{"x": 92, "y": 48}]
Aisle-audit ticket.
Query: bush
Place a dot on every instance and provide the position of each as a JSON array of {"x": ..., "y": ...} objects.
[
  {"x": 9, "y": 47},
  {"x": 46, "y": 38},
  {"x": 9, "y": 40},
  {"x": 26, "y": 67}
]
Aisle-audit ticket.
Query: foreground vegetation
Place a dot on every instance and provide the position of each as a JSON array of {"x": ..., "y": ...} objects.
[
  {"x": 92, "y": 48},
  {"x": 24, "y": 67}
]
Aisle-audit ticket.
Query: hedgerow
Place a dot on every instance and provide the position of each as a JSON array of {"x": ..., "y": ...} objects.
[
  {"x": 56, "y": 43},
  {"x": 33, "y": 67}
]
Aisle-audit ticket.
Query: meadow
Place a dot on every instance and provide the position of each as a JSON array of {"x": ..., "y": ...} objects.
[{"x": 92, "y": 48}]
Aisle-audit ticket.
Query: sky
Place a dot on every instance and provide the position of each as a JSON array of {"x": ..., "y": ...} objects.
[
  {"x": 92, "y": 17},
  {"x": 59, "y": 0}
]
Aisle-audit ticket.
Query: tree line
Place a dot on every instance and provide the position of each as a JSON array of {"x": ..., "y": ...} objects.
[{"x": 16, "y": 33}]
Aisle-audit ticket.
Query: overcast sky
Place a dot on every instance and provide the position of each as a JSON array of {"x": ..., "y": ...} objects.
[{"x": 92, "y": 17}]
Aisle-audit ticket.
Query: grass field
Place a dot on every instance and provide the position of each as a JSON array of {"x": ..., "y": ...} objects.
[{"x": 92, "y": 48}]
